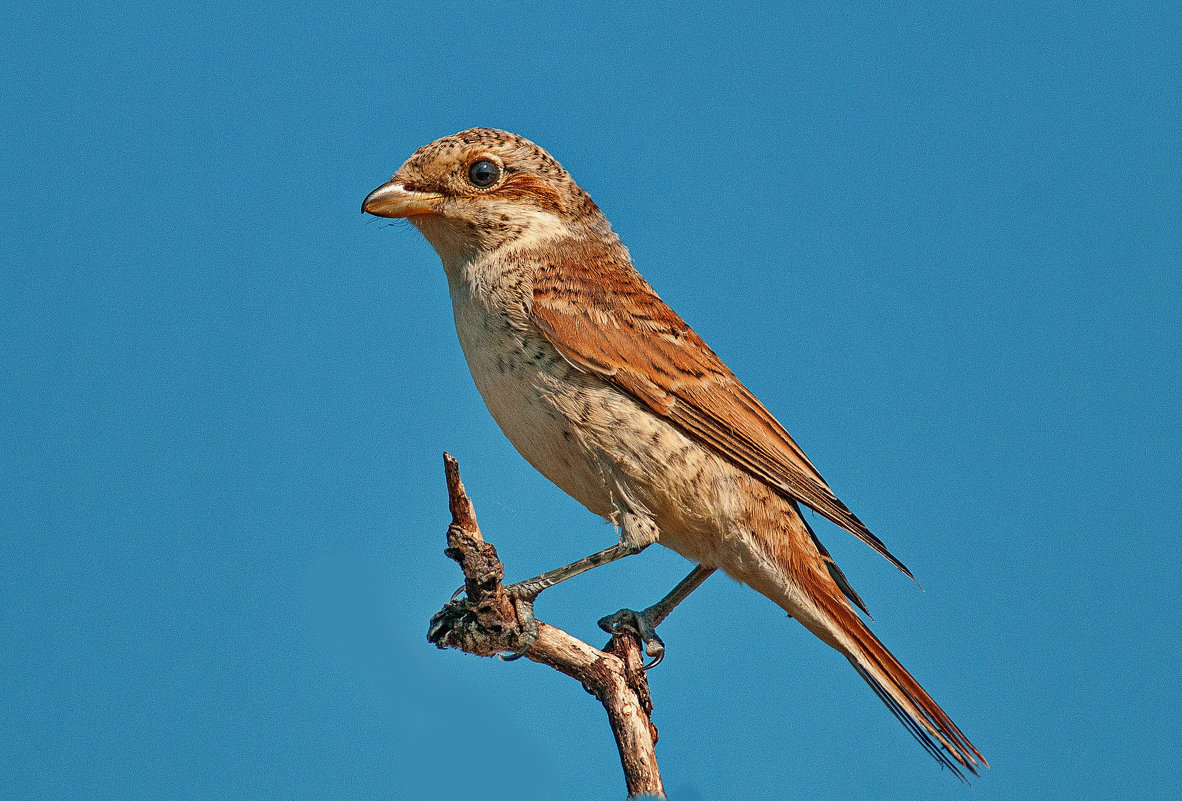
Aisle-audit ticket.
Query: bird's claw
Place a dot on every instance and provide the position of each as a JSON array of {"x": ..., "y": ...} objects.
[
  {"x": 523, "y": 603},
  {"x": 642, "y": 625},
  {"x": 522, "y": 594}
]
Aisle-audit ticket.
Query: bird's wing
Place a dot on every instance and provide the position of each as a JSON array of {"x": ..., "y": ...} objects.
[{"x": 604, "y": 318}]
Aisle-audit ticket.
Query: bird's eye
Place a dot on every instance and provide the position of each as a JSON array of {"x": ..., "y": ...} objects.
[{"x": 483, "y": 173}]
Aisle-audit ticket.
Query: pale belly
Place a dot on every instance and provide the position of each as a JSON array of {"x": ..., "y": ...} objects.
[{"x": 536, "y": 399}]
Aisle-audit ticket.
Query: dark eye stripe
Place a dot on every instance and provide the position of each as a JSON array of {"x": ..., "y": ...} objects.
[{"x": 483, "y": 173}]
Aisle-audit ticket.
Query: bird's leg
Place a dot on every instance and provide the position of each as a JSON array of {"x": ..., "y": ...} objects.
[
  {"x": 531, "y": 588},
  {"x": 523, "y": 593},
  {"x": 645, "y": 623}
]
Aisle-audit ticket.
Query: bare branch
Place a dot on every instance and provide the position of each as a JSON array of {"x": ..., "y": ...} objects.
[{"x": 487, "y": 622}]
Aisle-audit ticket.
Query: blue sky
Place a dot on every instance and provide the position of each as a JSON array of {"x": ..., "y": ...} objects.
[{"x": 942, "y": 244}]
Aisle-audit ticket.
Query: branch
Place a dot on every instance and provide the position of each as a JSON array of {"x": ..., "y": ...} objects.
[{"x": 486, "y": 623}]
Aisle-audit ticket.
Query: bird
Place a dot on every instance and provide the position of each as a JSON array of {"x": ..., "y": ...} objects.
[{"x": 608, "y": 393}]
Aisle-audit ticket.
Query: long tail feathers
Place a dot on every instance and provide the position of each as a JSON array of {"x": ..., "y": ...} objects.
[{"x": 901, "y": 693}]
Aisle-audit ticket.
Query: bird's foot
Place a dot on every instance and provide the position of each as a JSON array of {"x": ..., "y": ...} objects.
[
  {"x": 522, "y": 594},
  {"x": 523, "y": 603},
  {"x": 643, "y": 625}
]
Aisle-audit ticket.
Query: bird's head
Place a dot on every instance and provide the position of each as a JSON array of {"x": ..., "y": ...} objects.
[{"x": 482, "y": 189}]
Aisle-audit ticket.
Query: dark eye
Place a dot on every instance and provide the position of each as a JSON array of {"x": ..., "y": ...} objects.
[{"x": 483, "y": 173}]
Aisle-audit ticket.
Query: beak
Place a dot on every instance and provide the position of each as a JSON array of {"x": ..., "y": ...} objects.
[{"x": 391, "y": 199}]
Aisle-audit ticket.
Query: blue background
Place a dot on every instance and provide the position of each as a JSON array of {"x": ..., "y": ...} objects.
[{"x": 942, "y": 244}]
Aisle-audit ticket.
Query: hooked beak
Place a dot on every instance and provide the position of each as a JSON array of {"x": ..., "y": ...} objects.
[{"x": 392, "y": 199}]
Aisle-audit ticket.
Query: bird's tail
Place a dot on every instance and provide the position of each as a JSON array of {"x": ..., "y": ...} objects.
[
  {"x": 815, "y": 592},
  {"x": 901, "y": 693}
]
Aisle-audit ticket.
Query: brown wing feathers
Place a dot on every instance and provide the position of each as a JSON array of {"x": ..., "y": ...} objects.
[{"x": 620, "y": 330}]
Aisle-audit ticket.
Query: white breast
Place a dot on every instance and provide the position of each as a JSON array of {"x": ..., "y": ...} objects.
[{"x": 531, "y": 392}]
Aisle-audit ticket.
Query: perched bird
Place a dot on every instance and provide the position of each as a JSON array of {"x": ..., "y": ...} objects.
[{"x": 606, "y": 391}]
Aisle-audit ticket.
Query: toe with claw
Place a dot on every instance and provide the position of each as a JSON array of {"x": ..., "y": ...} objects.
[
  {"x": 644, "y": 627},
  {"x": 523, "y": 603}
]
